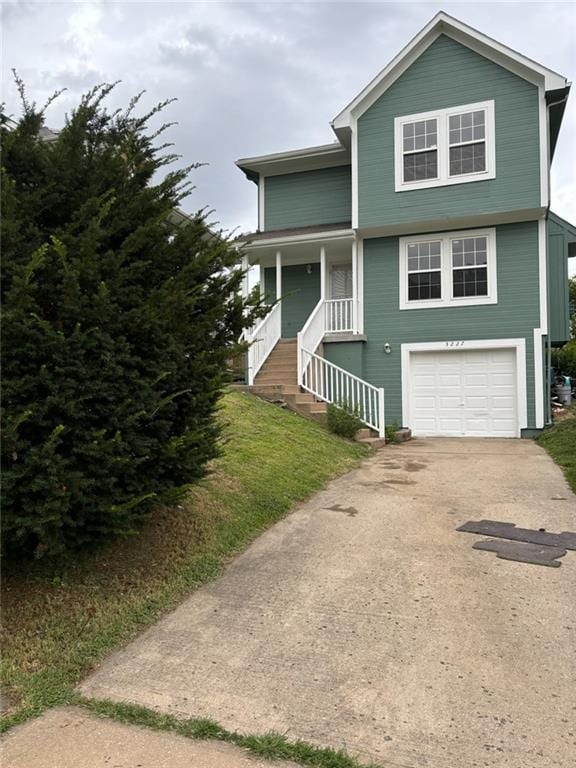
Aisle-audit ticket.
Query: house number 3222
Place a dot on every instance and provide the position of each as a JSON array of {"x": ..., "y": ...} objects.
[{"x": 454, "y": 343}]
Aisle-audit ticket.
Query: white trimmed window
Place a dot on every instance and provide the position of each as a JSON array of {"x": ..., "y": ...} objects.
[
  {"x": 448, "y": 270},
  {"x": 420, "y": 150},
  {"x": 449, "y": 146}
]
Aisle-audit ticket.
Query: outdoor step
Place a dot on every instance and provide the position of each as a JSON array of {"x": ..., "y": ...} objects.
[
  {"x": 290, "y": 389},
  {"x": 311, "y": 407},
  {"x": 319, "y": 416},
  {"x": 269, "y": 391},
  {"x": 297, "y": 398},
  {"x": 364, "y": 433},
  {"x": 278, "y": 367},
  {"x": 282, "y": 362},
  {"x": 280, "y": 381},
  {"x": 374, "y": 442},
  {"x": 279, "y": 372},
  {"x": 281, "y": 356}
]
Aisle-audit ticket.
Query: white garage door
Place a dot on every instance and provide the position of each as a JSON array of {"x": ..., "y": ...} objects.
[{"x": 464, "y": 393}]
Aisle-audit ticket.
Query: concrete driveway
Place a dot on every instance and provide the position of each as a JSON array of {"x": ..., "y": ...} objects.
[{"x": 365, "y": 621}]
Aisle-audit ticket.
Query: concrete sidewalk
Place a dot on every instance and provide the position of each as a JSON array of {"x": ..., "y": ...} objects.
[{"x": 74, "y": 738}]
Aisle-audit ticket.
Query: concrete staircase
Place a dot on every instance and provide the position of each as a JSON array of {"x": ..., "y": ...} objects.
[{"x": 277, "y": 381}]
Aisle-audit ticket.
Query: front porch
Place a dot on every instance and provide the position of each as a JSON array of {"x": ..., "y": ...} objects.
[
  {"x": 317, "y": 278},
  {"x": 304, "y": 273}
]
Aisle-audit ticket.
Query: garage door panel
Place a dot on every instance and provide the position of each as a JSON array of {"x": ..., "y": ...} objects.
[
  {"x": 476, "y": 380},
  {"x": 502, "y": 402},
  {"x": 424, "y": 405},
  {"x": 477, "y": 402},
  {"x": 507, "y": 380},
  {"x": 450, "y": 427},
  {"x": 477, "y": 427},
  {"x": 449, "y": 380},
  {"x": 457, "y": 393},
  {"x": 450, "y": 402}
]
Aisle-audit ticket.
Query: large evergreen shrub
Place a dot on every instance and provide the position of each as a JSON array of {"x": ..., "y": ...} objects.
[{"x": 117, "y": 323}]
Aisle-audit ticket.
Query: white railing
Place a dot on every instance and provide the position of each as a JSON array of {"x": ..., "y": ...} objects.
[
  {"x": 312, "y": 334},
  {"x": 262, "y": 339},
  {"x": 339, "y": 315},
  {"x": 332, "y": 384}
]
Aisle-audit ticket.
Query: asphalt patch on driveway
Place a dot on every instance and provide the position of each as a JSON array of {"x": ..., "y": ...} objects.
[
  {"x": 566, "y": 539},
  {"x": 522, "y": 552},
  {"x": 523, "y": 545}
]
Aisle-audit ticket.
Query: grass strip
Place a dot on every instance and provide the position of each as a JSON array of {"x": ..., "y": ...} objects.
[
  {"x": 61, "y": 617},
  {"x": 270, "y": 746},
  {"x": 560, "y": 442}
]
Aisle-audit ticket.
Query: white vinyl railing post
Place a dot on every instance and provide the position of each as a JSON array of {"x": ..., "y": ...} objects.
[
  {"x": 354, "y": 306},
  {"x": 381, "y": 425}
]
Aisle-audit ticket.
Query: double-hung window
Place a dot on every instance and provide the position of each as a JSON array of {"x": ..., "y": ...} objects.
[
  {"x": 467, "y": 142},
  {"x": 420, "y": 150},
  {"x": 447, "y": 146},
  {"x": 424, "y": 271},
  {"x": 449, "y": 269},
  {"x": 469, "y": 266}
]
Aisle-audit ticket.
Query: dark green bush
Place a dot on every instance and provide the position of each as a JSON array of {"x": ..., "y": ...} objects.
[
  {"x": 118, "y": 320},
  {"x": 564, "y": 359},
  {"x": 343, "y": 421}
]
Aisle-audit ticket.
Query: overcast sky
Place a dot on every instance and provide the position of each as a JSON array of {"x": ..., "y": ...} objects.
[{"x": 252, "y": 78}]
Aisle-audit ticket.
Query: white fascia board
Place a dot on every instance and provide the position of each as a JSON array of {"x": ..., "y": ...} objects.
[
  {"x": 309, "y": 237},
  {"x": 323, "y": 156},
  {"x": 442, "y": 23}
]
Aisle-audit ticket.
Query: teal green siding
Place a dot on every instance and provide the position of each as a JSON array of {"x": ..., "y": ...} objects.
[
  {"x": 300, "y": 294},
  {"x": 559, "y": 237},
  {"x": 347, "y": 354},
  {"x": 447, "y": 75},
  {"x": 307, "y": 198},
  {"x": 515, "y": 315}
]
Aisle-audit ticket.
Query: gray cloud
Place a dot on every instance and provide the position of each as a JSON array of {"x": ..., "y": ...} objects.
[{"x": 252, "y": 78}]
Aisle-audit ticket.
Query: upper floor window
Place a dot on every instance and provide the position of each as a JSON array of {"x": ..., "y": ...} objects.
[
  {"x": 420, "y": 148},
  {"x": 450, "y": 269},
  {"x": 448, "y": 146}
]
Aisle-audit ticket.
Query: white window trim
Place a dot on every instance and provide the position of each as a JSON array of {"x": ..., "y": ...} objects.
[
  {"x": 518, "y": 344},
  {"x": 444, "y": 179},
  {"x": 446, "y": 268}
]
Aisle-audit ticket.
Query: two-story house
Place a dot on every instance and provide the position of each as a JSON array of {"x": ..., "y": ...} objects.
[{"x": 422, "y": 276}]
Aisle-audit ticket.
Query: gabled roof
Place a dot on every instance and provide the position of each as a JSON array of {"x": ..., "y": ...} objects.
[{"x": 443, "y": 24}]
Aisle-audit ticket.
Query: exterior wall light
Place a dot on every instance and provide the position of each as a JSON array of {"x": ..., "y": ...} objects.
[
  {"x": 387, "y": 348},
  {"x": 309, "y": 269}
]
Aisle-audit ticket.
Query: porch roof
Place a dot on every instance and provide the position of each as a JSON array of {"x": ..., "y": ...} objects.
[
  {"x": 297, "y": 245},
  {"x": 296, "y": 232}
]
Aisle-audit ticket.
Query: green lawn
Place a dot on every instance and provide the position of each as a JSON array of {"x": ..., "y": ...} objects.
[
  {"x": 60, "y": 618},
  {"x": 560, "y": 442}
]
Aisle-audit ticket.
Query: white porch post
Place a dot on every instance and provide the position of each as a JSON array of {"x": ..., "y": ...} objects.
[
  {"x": 245, "y": 268},
  {"x": 323, "y": 273},
  {"x": 279, "y": 283},
  {"x": 354, "y": 286}
]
